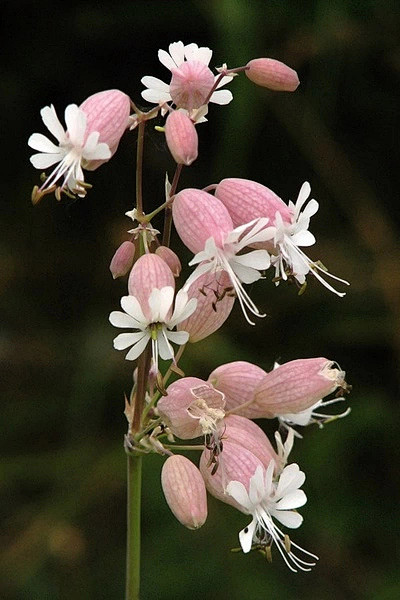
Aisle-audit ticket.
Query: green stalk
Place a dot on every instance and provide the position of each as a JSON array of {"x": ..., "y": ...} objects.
[{"x": 134, "y": 475}]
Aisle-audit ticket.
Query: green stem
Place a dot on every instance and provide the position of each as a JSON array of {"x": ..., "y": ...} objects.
[
  {"x": 168, "y": 209},
  {"x": 134, "y": 485},
  {"x": 139, "y": 169}
]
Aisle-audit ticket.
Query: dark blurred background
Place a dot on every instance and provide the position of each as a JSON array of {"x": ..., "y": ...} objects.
[{"x": 62, "y": 471}]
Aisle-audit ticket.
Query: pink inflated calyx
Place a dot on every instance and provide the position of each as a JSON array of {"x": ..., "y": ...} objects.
[
  {"x": 122, "y": 260},
  {"x": 198, "y": 216},
  {"x": 247, "y": 434},
  {"x": 296, "y": 386},
  {"x": 215, "y": 299},
  {"x": 272, "y": 74},
  {"x": 149, "y": 272},
  {"x": 171, "y": 259},
  {"x": 191, "y": 84},
  {"x": 181, "y": 137},
  {"x": 238, "y": 381},
  {"x": 192, "y": 408},
  {"x": 184, "y": 491},
  {"x": 106, "y": 112}
]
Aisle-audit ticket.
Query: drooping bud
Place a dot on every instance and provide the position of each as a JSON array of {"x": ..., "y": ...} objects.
[
  {"x": 184, "y": 491},
  {"x": 122, "y": 260},
  {"x": 171, "y": 259},
  {"x": 190, "y": 84},
  {"x": 192, "y": 408},
  {"x": 149, "y": 272},
  {"x": 198, "y": 216},
  {"x": 247, "y": 434},
  {"x": 106, "y": 112},
  {"x": 295, "y": 386},
  {"x": 236, "y": 464},
  {"x": 238, "y": 380},
  {"x": 246, "y": 200},
  {"x": 215, "y": 299},
  {"x": 181, "y": 137},
  {"x": 272, "y": 74}
]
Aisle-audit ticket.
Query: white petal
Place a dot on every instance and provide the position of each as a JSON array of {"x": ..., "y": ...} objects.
[
  {"x": 124, "y": 340},
  {"x": 130, "y": 304},
  {"x": 292, "y": 500},
  {"x": 160, "y": 302},
  {"x": 310, "y": 210},
  {"x": 120, "y": 319},
  {"x": 289, "y": 518},
  {"x": 40, "y": 142},
  {"x": 153, "y": 83},
  {"x": 177, "y": 52},
  {"x": 43, "y": 161},
  {"x": 257, "y": 259},
  {"x": 50, "y": 119},
  {"x": 221, "y": 97},
  {"x": 193, "y": 52},
  {"x": 256, "y": 487},
  {"x": 200, "y": 270},
  {"x": 246, "y": 536},
  {"x": 100, "y": 151},
  {"x": 165, "y": 349},
  {"x": 178, "y": 337},
  {"x": 304, "y": 193},
  {"x": 239, "y": 493},
  {"x": 303, "y": 238},
  {"x": 183, "y": 308},
  {"x": 155, "y": 96},
  {"x": 290, "y": 479},
  {"x": 75, "y": 120},
  {"x": 243, "y": 273},
  {"x": 138, "y": 348}
]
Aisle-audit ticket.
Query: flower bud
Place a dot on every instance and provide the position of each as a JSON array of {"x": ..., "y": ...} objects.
[
  {"x": 107, "y": 112},
  {"x": 238, "y": 381},
  {"x": 149, "y": 272},
  {"x": 247, "y": 434},
  {"x": 122, "y": 260},
  {"x": 184, "y": 491},
  {"x": 198, "y": 216},
  {"x": 215, "y": 300},
  {"x": 246, "y": 200},
  {"x": 192, "y": 408},
  {"x": 272, "y": 74},
  {"x": 295, "y": 386},
  {"x": 236, "y": 464},
  {"x": 181, "y": 136},
  {"x": 171, "y": 259}
]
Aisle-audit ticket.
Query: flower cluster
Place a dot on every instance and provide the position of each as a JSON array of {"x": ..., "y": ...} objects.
[{"x": 236, "y": 234}]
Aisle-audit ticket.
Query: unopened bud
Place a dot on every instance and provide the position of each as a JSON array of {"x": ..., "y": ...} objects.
[
  {"x": 122, "y": 260},
  {"x": 272, "y": 74},
  {"x": 181, "y": 136},
  {"x": 184, "y": 491},
  {"x": 171, "y": 259}
]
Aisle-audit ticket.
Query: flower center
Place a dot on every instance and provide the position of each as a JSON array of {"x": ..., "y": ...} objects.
[{"x": 191, "y": 84}]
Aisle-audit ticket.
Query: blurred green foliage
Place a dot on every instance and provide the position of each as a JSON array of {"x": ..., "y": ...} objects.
[{"x": 62, "y": 473}]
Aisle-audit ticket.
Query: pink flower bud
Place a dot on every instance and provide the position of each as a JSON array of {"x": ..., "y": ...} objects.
[
  {"x": 149, "y": 272},
  {"x": 192, "y": 408},
  {"x": 246, "y": 200},
  {"x": 106, "y": 112},
  {"x": 122, "y": 260},
  {"x": 238, "y": 381},
  {"x": 295, "y": 386},
  {"x": 236, "y": 464},
  {"x": 181, "y": 136},
  {"x": 244, "y": 432},
  {"x": 190, "y": 84},
  {"x": 184, "y": 491},
  {"x": 199, "y": 216},
  {"x": 215, "y": 300},
  {"x": 272, "y": 74},
  {"x": 171, "y": 259}
]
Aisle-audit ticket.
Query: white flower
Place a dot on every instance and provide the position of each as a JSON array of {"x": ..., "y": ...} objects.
[
  {"x": 310, "y": 415},
  {"x": 241, "y": 268},
  {"x": 288, "y": 238},
  {"x": 191, "y": 79},
  {"x": 72, "y": 151},
  {"x": 157, "y": 328},
  {"x": 268, "y": 499}
]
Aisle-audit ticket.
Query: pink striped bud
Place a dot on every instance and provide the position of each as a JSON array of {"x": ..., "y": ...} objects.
[
  {"x": 236, "y": 464},
  {"x": 149, "y": 272},
  {"x": 184, "y": 491},
  {"x": 122, "y": 260},
  {"x": 198, "y": 216},
  {"x": 192, "y": 408},
  {"x": 296, "y": 386},
  {"x": 272, "y": 74},
  {"x": 171, "y": 259},
  {"x": 238, "y": 381},
  {"x": 247, "y": 434},
  {"x": 181, "y": 136},
  {"x": 246, "y": 200},
  {"x": 190, "y": 84},
  {"x": 215, "y": 300},
  {"x": 106, "y": 112}
]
